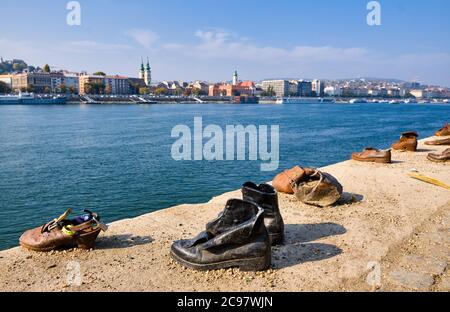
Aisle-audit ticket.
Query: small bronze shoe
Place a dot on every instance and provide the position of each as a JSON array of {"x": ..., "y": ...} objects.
[
  {"x": 408, "y": 142},
  {"x": 438, "y": 142},
  {"x": 79, "y": 232},
  {"x": 445, "y": 131},
  {"x": 440, "y": 158},
  {"x": 373, "y": 155}
]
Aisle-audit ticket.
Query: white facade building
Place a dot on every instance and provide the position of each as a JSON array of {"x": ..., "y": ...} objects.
[
  {"x": 333, "y": 91},
  {"x": 280, "y": 87}
]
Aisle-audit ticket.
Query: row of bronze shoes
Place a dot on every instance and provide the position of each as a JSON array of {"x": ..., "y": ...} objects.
[
  {"x": 408, "y": 142},
  {"x": 243, "y": 234}
]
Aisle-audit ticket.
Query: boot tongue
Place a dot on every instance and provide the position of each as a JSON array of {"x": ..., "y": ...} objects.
[{"x": 236, "y": 212}]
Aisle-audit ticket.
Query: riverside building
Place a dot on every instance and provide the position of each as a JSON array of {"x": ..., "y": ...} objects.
[
  {"x": 35, "y": 82},
  {"x": 318, "y": 87},
  {"x": 280, "y": 87},
  {"x": 235, "y": 88},
  {"x": 7, "y": 79}
]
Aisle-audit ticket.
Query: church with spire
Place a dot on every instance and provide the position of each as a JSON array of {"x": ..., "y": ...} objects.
[{"x": 146, "y": 72}]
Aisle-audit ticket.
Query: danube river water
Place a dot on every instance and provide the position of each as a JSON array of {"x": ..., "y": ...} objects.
[{"x": 116, "y": 159}]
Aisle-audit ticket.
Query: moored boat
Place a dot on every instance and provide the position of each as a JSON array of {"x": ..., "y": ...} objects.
[
  {"x": 358, "y": 101},
  {"x": 305, "y": 100},
  {"x": 30, "y": 99}
]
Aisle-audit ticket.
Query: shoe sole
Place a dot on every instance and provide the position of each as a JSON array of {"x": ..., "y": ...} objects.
[
  {"x": 437, "y": 160},
  {"x": 85, "y": 242},
  {"x": 244, "y": 265},
  {"x": 372, "y": 160},
  {"x": 437, "y": 143},
  {"x": 39, "y": 249}
]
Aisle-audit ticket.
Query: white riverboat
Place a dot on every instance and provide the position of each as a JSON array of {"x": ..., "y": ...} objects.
[
  {"x": 358, "y": 101},
  {"x": 305, "y": 100},
  {"x": 30, "y": 99}
]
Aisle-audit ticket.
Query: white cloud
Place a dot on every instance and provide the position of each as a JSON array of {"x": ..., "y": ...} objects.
[
  {"x": 17, "y": 48},
  {"x": 88, "y": 46},
  {"x": 212, "y": 54},
  {"x": 145, "y": 38},
  {"x": 226, "y": 45}
]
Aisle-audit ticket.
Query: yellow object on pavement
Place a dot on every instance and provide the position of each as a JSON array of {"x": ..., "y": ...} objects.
[{"x": 429, "y": 180}]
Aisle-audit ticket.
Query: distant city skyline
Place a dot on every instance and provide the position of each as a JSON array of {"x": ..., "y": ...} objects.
[{"x": 207, "y": 41}]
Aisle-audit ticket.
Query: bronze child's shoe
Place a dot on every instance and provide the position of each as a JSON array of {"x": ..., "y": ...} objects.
[
  {"x": 438, "y": 142},
  {"x": 79, "y": 232},
  {"x": 443, "y": 157},
  {"x": 373, "y": 155},
  {"x": 445, "y": 131},
  {"x": 408, "y": 142}
]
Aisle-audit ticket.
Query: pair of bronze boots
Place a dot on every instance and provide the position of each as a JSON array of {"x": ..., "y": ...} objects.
[
  {"x": 310, "y": 186},
  {"x": 408, "y": 142},
  {"x": 241, "y": 236},
  {"x": 443, "y": 132}
]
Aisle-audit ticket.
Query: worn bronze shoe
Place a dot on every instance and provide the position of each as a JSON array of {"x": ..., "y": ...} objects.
[
  {"x": 79, "y": 232},
  {"x": 408, "y": 142},
  {"x": 237, "y": 238},
  {"x": 443, "y": 157},
  {"x": 438, "y": 142},
  {"x": 266, "y": 197},
  {"x": 283, "y": 181},
  {"x": 373, "y": 155},
  {"x": 445, "y": 131},
  {"x": 318, "y": 188}
]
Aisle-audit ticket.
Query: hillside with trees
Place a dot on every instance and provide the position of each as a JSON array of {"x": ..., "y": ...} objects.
[{"x": 7, "y": 67}]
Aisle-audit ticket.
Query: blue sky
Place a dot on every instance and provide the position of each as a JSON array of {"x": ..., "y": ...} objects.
[{"x": 208, "y": 39}]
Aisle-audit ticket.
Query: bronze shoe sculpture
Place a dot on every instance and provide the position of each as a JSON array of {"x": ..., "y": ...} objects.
[
  {"x": 408, "y": 142},
  {"x": 317, "y": 188},
  {"x": 373, "y": 155},
  {"x": 440, "y": 158},
  {"x": 283, "y": 181},
  {"x": 237, "y": 238},
  {"x": 445, "y": 131},
  {"x": 266, "y": 197},
  {"x": 438, "y": 142},
  {"x": 79, "y": 232}
]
